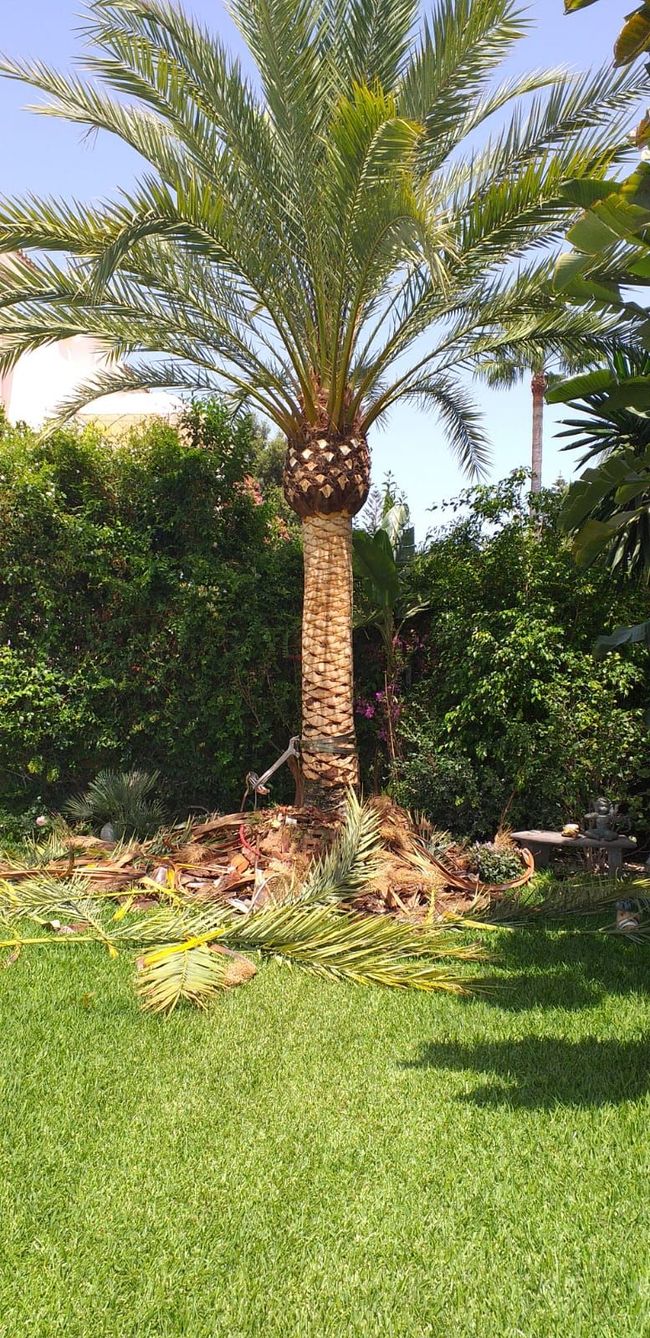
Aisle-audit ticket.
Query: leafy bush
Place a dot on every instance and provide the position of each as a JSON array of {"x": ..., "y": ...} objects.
[
  {"x": 149, "y": 611},
  {"x": 21, "y": 826},
  {"x": 448, "y": 788},
  {"x": 507, "y": 711},
  {"x": 495, "y": 865}
]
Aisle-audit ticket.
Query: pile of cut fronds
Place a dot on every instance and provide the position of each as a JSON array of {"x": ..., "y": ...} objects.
[{"x": 191, "y": 951}]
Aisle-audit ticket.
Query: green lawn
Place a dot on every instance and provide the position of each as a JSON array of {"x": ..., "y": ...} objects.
[{"x": 310, "y": 1159}]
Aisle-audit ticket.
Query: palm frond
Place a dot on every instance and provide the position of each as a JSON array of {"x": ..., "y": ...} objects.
[
  {"x": 38, "y": 853},
  {"x": 351, "y": 863},
  {"x": 167, "y": 975},
  {"x": 462, "y": 44},
  {"x": 362, "y": 949},
  {"x": 570, "y": 900},
  {"x": 461, "y": 417},
  {"x": 183, "y": 950},
  {"x": 47, "y": 898},
  {"x": 367, "y": 41}
]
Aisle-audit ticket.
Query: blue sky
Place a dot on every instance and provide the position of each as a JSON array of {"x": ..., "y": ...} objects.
[{"x": 47, "y": 156}]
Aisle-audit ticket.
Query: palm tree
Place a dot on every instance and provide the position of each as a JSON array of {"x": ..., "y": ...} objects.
[
  {"x": 312, "y": 242},
  {"x": 538, "y": 385},
  {"x": 502, "y": 373}
]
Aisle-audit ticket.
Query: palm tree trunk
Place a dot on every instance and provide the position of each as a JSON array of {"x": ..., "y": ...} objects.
[
  {"x": 326, "y": 481},
  {"x": 329, "y": 756},
  {"x": 538, "y": 386}
]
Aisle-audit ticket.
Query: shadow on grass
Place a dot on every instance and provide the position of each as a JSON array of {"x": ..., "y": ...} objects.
[
  {"x": 551, "y": 969},
  {"x": 545, "y": 1072}
]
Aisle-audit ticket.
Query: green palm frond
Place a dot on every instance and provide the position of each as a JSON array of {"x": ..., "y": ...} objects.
[
  {"x": 462, "y": 44},
  {"x": 457, "y": 411},
  {"x": 367, "y": 41},
  {"x": 362, "y": 949},
  {"x": 351, "y": 863},
  {"x": 165, "y": 976},
  {"x": 38, "y": 853},
  {"x": 45, "y": 897},
  {"x": 174, "y": 925},
  {"x": 568, "y": 901}
]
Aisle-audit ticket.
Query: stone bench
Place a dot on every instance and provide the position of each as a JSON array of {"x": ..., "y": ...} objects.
[{"x": 541, "y": 844}]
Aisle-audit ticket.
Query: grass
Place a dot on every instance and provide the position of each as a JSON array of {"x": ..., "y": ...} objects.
[{"x": 314, "y": 1161}]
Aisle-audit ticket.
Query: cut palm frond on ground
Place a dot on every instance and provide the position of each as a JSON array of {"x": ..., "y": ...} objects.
[
  {"x": 185, "y": 955},
  {"x": 352, "y": 862},
  {"x": 196, "y": 974}
]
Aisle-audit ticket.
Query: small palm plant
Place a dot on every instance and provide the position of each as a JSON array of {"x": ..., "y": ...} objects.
[
  {"x": 320, "y": 240},
  {"x": 125, "y": 800},
  {"x": 191, "y": 954}
]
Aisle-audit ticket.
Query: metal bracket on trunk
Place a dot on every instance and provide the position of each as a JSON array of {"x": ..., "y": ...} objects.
[
  {"x": 338, "y": 745},
  {"x": 257, "y": 784}
]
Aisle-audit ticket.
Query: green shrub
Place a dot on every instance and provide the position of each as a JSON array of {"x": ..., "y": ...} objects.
[
  {"x": 493, "y": 865},
  {"x": 149, "y": 611},
  {"x": 23, "y": 825},
  {"x": 452, "y": 791},
  {"x": 506, "y": 712}
]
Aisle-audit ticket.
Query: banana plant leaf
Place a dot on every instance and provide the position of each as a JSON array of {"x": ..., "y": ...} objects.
[
  {"x": 595, "y": 536},
  {"x": 634, "y": 37},
  {"x": 631, "y": 394},
  {"x": 595, "y": 484},
  {"x": 374, "y": 561},
  {"x": 576, "y": 387}
]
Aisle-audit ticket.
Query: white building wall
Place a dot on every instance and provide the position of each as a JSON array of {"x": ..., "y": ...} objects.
[{"x": 41, "y": 380}]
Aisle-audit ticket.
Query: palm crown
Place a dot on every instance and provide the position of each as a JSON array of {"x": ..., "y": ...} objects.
[{"x": 311, "y": 240}]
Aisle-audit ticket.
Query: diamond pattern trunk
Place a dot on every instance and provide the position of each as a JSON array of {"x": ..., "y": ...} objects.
[
  {"x": 329, "y": 754},
  {"x": 326, "y": 482}
]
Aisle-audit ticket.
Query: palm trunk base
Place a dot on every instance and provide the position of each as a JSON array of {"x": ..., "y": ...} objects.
[
  {"x": 327, "y": 798},
  {"x": 328, "y": 776}
]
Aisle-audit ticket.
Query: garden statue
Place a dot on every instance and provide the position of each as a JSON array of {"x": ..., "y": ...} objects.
[{"x": 604, "y": 823}]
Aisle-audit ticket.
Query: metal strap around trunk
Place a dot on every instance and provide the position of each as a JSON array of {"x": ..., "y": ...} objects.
[{"x": 343, "y": 745}]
